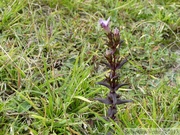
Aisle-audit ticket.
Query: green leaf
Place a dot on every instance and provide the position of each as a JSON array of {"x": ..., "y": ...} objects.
[{"x": 83, "y": 98}]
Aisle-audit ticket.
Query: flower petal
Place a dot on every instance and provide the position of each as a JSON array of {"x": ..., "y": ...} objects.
[{"x": 104, "y": 23}]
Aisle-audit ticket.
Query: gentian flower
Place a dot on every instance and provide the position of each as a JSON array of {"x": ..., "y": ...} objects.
[
  {"x": 113, "y": 63},
  {"x": 105, "y": 24}
]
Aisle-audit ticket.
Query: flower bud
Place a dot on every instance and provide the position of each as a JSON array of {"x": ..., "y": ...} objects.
[
  {"x": 116, "y": 33},
  {"x": 109, "y": 53}
]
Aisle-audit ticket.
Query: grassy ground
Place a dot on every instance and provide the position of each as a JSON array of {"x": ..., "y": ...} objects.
[{"x": 50, "y": 53}]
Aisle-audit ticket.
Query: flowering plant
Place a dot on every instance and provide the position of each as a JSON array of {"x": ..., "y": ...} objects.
[{"x": 113, "y": 62}]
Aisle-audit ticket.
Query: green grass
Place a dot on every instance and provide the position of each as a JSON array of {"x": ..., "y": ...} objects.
[{"x": 50, "y": 53}]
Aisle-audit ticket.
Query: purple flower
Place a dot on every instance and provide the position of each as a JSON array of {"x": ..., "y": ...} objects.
[{"x": 105, "y": 24}]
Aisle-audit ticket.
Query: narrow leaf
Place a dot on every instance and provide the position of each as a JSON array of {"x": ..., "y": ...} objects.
[
  {"x": 121, "y": 63},
  {"x": 83, "y": 99},
  {"x": 115, "y": 77},
  {"x": 104, "y": 84},
  {"x": 120, "y": 85},
  {"x": 119, "y": 101},
  {"x": 108, "y": 65},
  {"x": 105, "y": 101}
]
